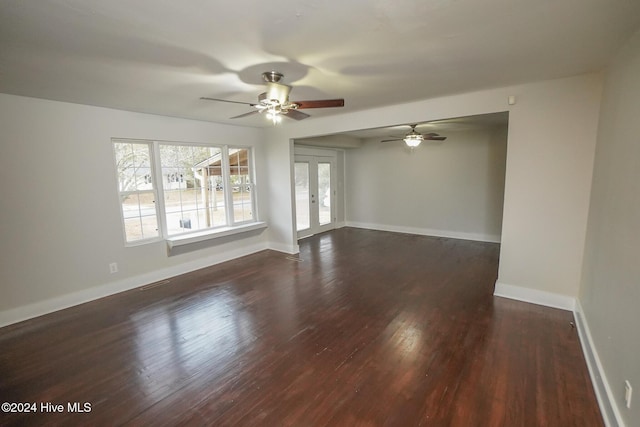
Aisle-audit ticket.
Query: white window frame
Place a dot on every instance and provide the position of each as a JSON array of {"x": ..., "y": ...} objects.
[
  {"x": 153, "y": 191},
  {"x": 227, "y": 183},
  {"x": 232, "y": 226}
]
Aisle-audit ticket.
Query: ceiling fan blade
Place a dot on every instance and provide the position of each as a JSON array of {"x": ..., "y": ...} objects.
[
  {"x": 391, "y": 140},
  {"x": 431, "y": 134},
  {"x": 226, "y": 100},
  {"x": 245, "y": 114},
  {"x": 320, "y": 103},
  {"x": 434, "y": 138},
  {"x": 295, "y": 114}
]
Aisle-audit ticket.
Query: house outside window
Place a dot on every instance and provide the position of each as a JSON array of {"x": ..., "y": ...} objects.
[{"x": 171, "y": 189}]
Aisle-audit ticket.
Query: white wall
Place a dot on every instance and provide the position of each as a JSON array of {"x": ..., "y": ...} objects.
[
  {"x": 610, "y": 292},
  {"x": 451, "y": 188},
  {"x": 550, "y": 153},
  {"x": 60, "y": 218},
  {"x": 279, "y": 168},
  {"x": 549, "y": 167}
]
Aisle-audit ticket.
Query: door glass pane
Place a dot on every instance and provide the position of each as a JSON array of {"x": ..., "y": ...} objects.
[
  {"x": 302, "y": 195},
  {"x": 324, "y": 193}
]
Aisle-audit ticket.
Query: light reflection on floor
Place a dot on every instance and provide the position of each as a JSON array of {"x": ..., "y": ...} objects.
[{"x": 182, "y": 342}]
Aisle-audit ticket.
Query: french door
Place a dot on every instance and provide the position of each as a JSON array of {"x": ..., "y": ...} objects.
[{"x": 315, "y": 194}]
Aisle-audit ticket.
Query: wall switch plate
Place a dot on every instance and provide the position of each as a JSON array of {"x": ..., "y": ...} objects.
[
  {"x": 627, "y": 393},
  {"x": 113, "y": 267}
]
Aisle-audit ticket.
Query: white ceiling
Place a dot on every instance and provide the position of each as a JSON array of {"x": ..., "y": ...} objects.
[{"x": 161, "y": 56}]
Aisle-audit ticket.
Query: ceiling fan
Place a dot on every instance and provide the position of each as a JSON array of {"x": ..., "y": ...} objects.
[
  {"x": 275, "y": 101},
  {"x": 414, "y": 138}
]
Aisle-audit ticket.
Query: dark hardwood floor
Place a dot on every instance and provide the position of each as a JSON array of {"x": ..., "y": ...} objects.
[{"x": 368, "y": 328}]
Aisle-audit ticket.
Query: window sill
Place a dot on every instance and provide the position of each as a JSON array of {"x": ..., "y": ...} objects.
[{"x": 201, "y": 236}]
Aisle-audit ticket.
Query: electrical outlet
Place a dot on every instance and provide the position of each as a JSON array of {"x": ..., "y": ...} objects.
[
  {"x": 627, "y": 393},
  {"x": 113, "y": 267}
]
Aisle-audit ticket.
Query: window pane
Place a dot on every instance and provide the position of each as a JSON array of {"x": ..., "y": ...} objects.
[
  {"x": 324, "y": 193},
  {"x": 242, "y": 204},
  {"x": 133, "y": 164},
  {"x": 149, "y": 226},
  {"x": 133, "y": 229},
  {"x": 176, "y": 223},
  {"x": 139, "y": 213},
  {"x": 241, "y": 185},
  {"x": 302, "y": 195},
  {"x": 192, "y": 183}
]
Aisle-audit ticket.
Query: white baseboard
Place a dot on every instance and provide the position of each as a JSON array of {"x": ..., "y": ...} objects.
[
  {"x": 426, "y": 232},
  {"x": 606, "y": 401},
  {"x": 29, "y": 311},
  {"x": 535, "y": 296},
  {"x": 287, "y": 249}
]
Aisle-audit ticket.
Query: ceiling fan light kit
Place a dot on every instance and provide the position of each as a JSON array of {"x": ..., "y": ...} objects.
[
  {"x": 413, "y": 140},
  {"x": 274, "y": 115},
  {"x": 275, "y": 101}
]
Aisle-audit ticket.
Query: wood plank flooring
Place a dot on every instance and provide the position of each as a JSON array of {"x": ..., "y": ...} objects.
[{"x": 367, "y": 328}]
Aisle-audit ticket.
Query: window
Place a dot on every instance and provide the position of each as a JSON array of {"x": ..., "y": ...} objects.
[{"x": 172, "y": 189}]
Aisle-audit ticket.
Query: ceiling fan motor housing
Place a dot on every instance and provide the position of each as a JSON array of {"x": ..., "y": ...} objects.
[{"x": 276, "y": 94}]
